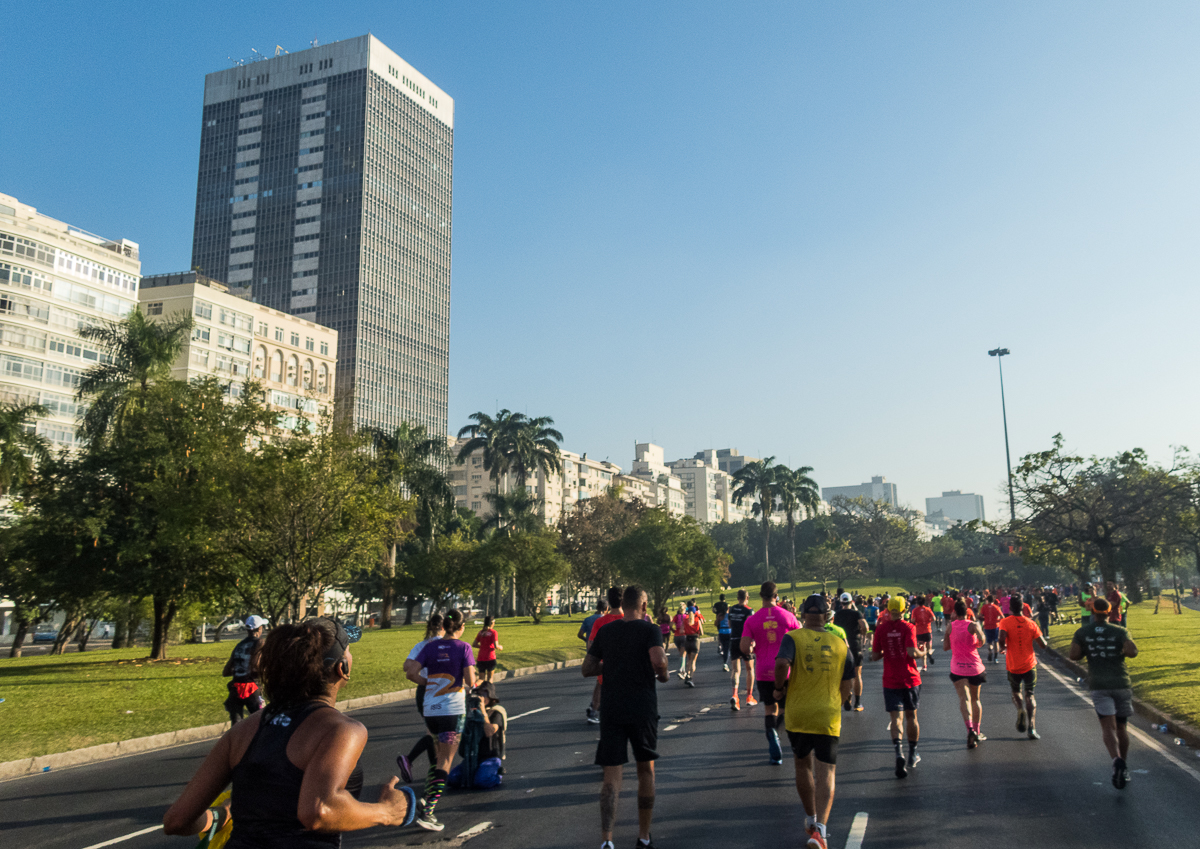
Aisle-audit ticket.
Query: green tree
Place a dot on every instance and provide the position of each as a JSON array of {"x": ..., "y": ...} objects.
[
  {"x": 834, "y": 560},
  {"x": 20, "y": 446},
  {"x": 884, "y": 534},
  {"x": 450, "y": 569},
  {"x": 136, "y": 353},
  {"x": 759, "y": 482},
  {"x": 586, "y": 532},
  {"x": 533, "y": 560},
  {"x": 668, "y": 555}
]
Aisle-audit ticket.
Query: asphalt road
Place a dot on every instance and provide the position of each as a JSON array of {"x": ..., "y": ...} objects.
[{"x": 715, "y": 787}]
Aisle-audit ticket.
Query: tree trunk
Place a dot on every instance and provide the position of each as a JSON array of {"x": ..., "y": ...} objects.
[
  {"x": 389, "y": 592},
  {"x": 164, "y": 615},
  {"x": 65, "y": 633},
  {"x": 120, "y": 629},
  {"x": 19, "y": 638},
  {"x": 512, "y": 605},
  {"x": 410, "y": 604},
  {"x": 767, "y": 545},
  {"x": 792, "y": 568}
]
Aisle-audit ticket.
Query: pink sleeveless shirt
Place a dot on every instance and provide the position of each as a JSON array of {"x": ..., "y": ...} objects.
[{"x": 964, "y": 655}]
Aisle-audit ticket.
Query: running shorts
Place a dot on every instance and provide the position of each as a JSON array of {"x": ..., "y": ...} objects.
[
  {"x": 680, "y": 642},
  {"x": 616, "y": 736},
  {"x": 691, "y": 644},
  {"x": 937, "y": 614},
  {"x": 992, "y": 634},
  {"x": 766, "y": 692},
  {"x": 1029, "y": 679},
  {"x": 252, "y": 703},
  {"x": 735, "y": 651},
  {"x": 901, "y": 698},
  {"x": 485, "y": 665},
  {"x": 1118, "y": 703},
  {"x": 857, "y": 656},
  {"x": 442, "y": 727},
  {"x": 974, "y": 680},
  {"x": 822, "y": 746},
  {"x": 924, "y": 638}
]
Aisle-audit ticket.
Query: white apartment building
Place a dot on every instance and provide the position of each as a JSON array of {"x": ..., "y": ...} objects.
[
  {"x": 666, "y": 488},
  {"x": 956, "y": 505},
  {"x": 54, "y": 280},
  {"x": 578, "y": 479},
  {"x": 878, "y": 489},
  {"x": 235, "y": 339}
]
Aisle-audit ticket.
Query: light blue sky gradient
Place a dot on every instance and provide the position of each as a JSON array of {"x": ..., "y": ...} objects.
[{"x": 792, "y": 228}]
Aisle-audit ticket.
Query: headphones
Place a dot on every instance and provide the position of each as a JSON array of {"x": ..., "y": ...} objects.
[{"x": 343, "y": 636}]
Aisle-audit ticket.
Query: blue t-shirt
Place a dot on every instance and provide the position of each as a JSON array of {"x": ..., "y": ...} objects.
[{"x": 872, "y": 613}]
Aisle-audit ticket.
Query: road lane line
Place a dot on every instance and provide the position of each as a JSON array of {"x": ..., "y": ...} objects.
[
  {"x": 124, "y": 838},
  {"x": 518, "y": 716},
  {"x": 858, "y": 830},
  {"x": 670, "y": 728},
  {"x": 1141, "y": 735}
]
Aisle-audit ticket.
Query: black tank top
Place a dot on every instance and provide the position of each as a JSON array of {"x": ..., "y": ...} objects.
[{"x": 266, "y": 788}]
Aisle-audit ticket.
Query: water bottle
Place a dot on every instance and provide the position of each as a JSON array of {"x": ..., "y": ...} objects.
[
  {"x": 1163, "y": 728},
  {"x": 1178, "y": 742}
]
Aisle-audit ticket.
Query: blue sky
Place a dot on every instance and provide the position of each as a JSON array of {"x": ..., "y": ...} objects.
[{"x": 793, "y": 228}]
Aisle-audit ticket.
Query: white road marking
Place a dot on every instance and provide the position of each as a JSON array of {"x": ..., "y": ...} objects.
[
  {"x": 474, "y": 831},
  {"x": 670, "y": 728},
  {"x": 1141, "y": 735},
  {"x": 858, "y": 830},
  {"x": 705, "y": 710},
  {"x": 527, "y": 713},
  {"x": 123, "y": 838}
]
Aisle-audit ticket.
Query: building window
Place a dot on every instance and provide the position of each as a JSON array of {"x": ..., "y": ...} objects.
[
  {"x": 278, "y": 334},
  {"x": 203, "y": 310},
  {"x": 277, "y": 367},
  {"x": 200, "y": 333},
  {"x": 309, "y": 342},
  {"x": 154, "y": 308},
  {"x": 324, "y": 349},
  {"x": 262, "y": 329},
  {"x": 295, "y": 340}
]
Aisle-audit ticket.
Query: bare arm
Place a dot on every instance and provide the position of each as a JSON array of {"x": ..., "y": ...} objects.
[
  {"x": 658, "y": 659},
  {"x": 1076, "y": 652},
  {"x": 412, "y": 671},
  {"x": 845, "y": 688},
  {"x": 1130, "y": 649},
  {"x": 745, "y": 645},
  {"x": 1041, "y": 641},
  {"x": 326, "y": 805},
  {"x": 190, "y": 813},
  {"x": 1004, "y": 639},
  {"x": 592, "y": 666},
  {"x": 946, "y": 641},
  {"x": 978, "y": 632},
  {"x": 469, "y": 677}
]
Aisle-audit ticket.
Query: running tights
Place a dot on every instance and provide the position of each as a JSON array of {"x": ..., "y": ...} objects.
[{"x": 435, "y": 786}]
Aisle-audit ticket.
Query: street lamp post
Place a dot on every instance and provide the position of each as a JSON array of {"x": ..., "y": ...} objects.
[{"x": 999, "y": 354}]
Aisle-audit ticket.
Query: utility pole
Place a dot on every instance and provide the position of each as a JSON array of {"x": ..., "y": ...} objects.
[{"x": 999, "y": 354}]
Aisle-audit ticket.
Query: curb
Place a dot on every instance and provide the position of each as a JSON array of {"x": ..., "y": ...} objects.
[
  {"x": 1190, "y": 734},
  {"x": 155, "y": 742}
]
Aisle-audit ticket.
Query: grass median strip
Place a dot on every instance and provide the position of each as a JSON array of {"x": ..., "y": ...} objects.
[{"x": 55, "y": 704}]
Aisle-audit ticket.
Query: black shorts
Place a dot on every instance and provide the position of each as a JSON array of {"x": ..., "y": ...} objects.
[
  {"x": 924, "y": 638},
  {"x": 616, "y": 736},
  {"x": 735, "y": 651},
  {"x": 691, "y": 644},
  {"x": 439, "y": 725},
  {"x": 897, "y": 699},
  {"x": 822, "y": 746},
  {"x": 485, "y": 665},
  {"x": 975, "y": 680},
  {"x": 680, "y": 641},
  {"x": 1029, "y": 679},
  {"x": 766, "y": 692},
  {"x": 856, "y": 655}
]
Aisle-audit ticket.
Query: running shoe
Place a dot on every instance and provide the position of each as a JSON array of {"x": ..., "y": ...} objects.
[
  {"x": 972, "y": 740},
  {"x": 733, "y": 703},
  {"x": 1021, "y": 720},
  {"x": 774, "y": 750},
  {"x": 931, "y": 658},
  {"x": 681, "y": 674},
  {"x": 1120, "y": 774},
  {"x": 858, "y": 708},
  {"x": 750, "y": 700},
  {"x": 607, "y": 844},
  {"x": 846, "y": 705},
  {"x": 426, "y": 819},
  {"x": 901, "y": 767},
  {"x": 689, "y": 681},
  {"x": 1033, "y": 735},
  {"x": 406, "y": 773},
  {"x": 816, "y": 841},
  {"x": 980, "y": 736},
  {"x": 649, "y": 844},
  {"x": 726, "y": 667},
  {"x": 913, "y": 760},
  {"x": 593, "y": 716}
]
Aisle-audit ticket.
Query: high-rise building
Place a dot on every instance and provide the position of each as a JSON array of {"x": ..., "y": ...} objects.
[
  {"x": 957, "y": 506},
  {"x": 54, "y": 280},
  {"x": 324, "y": 190},
  {"x": 877, "y": 490}
]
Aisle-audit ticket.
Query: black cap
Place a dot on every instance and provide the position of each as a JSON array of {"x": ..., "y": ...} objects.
[
  {"x": 487, "y": 689},
  {"x": 815, "y": 604}
]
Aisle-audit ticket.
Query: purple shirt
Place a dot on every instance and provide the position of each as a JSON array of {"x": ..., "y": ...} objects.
[{"x": 444, "y": 662}]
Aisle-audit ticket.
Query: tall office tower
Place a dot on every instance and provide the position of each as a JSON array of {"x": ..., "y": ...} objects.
[{"x": 325, "y": 190}]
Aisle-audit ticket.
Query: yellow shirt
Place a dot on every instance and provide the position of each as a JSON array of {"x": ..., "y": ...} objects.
[{"x": 814, "y": 692}]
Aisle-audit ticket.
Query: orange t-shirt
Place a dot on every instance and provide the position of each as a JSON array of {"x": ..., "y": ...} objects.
[
  {"x": 947, "y": 604},
  {"x": 1021, "y": 632},
  {"x": 970, "y": 614},
  {"x": 991, "y": 615},
  {"x": 885, "y": 615},
  {"x": 922, "y": 618}
]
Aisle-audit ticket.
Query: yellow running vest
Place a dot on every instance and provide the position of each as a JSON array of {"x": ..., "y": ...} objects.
[{"x": 814, "y": 697}]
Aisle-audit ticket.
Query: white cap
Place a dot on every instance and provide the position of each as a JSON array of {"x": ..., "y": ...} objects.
[
  {"x": 255, "y": 622},
  {"x": 846, "y": 597}
]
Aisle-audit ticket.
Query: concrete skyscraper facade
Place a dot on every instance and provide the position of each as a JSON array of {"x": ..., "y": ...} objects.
[{"x": 324, "y": 189}]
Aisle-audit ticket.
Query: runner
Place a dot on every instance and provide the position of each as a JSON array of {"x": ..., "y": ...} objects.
[
  {"x": 693, "y": 630},
  {"x": 488, "y": 643},
  {"x": 585, "y": 629},
  {"x": 851, "y": 620},
  {"x": 963, "y": 640},
  {"x": 1018, "y": 633},
  {"x": 614, "y": 613},
  {"x": 936, "y": 606},
  {"x": 738, "y": 614},
  {"x": 679, "y": 632},
  {"x": 1044, "y": 612},
  {"x": 762, "y": 635},
  {"x": 630, "y": 654},
  {"x": 719, "y": 610},
  {"x": 818, "y": 671},
  {"x": 922, "y": 619},
  {"x": 1106, "y": 646},
  {"x": 895, "y": 642},
  {"x": 947, "y": 608},
  {"x": 871, "y": 612},
  {"x": 1086, "y": 596},
  {"x": 243, "y": 667},
  {"x": 991, "y": 614},
  {"x": 415, "y": 673},
  {"x": 294, "y": 766},
  {"x": 449, "y": 666}
]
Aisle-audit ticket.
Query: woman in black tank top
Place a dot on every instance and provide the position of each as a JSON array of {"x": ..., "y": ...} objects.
[{"x": 294, "y": 766}]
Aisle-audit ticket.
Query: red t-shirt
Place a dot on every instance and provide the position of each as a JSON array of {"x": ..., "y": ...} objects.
[
  {"x": 691, "y": 626},
  {"x": 486, "y": 641},
  {"x": 991, "y": 616},
  {"x": 885, "y": 615},
  {"x": 922, "y": 619},
  {"x": 601, "y": 622},
  {"x": 893, "y": 640}
]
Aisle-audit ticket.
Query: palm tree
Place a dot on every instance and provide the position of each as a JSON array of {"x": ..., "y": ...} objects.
[
  {"x": 138, "y": 352},
  {"x": 407, "y": 458},
  {"x": 496, "y": 438},
  {"x": 758, "y": 481},
  {"x": 20, "y": 446},
  {"x": 514, "y": 512},
  {"x": 798, "y": 493},
  {"x": 537, "y": 448}
]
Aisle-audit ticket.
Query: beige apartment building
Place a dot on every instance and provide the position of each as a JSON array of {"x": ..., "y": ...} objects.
[
  {"x": 55, "y": 279},
  {"x": 234, "y": 339}
]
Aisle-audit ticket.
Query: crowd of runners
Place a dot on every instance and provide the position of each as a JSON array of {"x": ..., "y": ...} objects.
[{"x": 293, "y": 761}]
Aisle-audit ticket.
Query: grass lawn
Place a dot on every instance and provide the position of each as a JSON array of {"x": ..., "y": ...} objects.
[
  {"x": 1165, "y": 671},
  {"x": 54, "y": 704}
]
